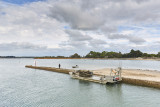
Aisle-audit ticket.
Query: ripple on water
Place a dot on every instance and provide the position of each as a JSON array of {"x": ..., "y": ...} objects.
[{"x": 25, "y": 87}]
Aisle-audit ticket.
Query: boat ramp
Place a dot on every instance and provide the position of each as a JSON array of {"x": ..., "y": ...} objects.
[{"x": 114, "y": 77}]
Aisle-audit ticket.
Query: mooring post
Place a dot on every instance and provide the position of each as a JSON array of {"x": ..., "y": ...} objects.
[{"x": 34, "y": 63}]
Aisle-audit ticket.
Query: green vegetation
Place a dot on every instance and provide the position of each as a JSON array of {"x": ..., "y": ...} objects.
[
  {"x": 131, "y": 54},
  {"x": 105, "y": 54},
  {"x": 158, "y": 55},
  {"x": 75, "y": 56}
]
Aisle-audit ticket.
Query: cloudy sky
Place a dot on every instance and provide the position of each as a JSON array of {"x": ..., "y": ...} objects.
[{"x": 65, "y": 27}]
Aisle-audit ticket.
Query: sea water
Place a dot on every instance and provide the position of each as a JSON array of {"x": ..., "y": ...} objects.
[{"x": 25, "y": 87}]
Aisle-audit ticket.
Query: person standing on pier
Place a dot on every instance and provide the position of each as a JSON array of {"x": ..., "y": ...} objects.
[{"x": 59, "y": 66}]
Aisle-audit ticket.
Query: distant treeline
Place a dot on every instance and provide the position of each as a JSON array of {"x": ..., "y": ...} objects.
[
  {"x": 131, "y": 54},
  {"x": 105, "y": 54},
  {"x": 7, "y": 56},
  {"x": 16, "y": 57}
]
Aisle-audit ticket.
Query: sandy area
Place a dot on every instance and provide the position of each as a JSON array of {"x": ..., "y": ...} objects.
[
  {"x": 148, "y": 75},
  {"x": 131, "y": 76}
]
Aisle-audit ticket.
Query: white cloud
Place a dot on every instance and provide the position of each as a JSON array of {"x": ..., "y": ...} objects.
[
  {"x": 75, "y": 16},
  {"x": 131, "y": 38},
  {"x": 16, "y": 46},
  {"x": 78, "y": 40},
  {"x": 29, "y": 23},
  {"x": 68, "y": 26}
]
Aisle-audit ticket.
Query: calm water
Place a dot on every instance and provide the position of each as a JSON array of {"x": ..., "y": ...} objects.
[
  {"x": 98, "y": 64},
  {"x": 24, "y": 87}
]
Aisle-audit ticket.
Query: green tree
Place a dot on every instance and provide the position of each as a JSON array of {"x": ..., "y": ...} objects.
[
  {"x": 103, "y": 54},
  {"x": 75, "y": 56},
  {"x": 145, "y": 55},
  {"x": 92, "y": 54},
  {"x": 158, "y": 55},
  {"x": 134, "y": 54}
]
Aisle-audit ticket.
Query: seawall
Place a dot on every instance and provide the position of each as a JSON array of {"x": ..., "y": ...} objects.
[
  {"x": 129, "y": 76},
  {"x": 139, "y": 82},
  {"x": 53, "y": 69}
]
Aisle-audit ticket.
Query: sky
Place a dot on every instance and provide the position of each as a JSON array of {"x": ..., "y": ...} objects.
[{"x": 65, "y": 27}]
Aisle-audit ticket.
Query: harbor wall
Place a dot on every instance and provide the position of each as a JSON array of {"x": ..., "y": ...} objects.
[
  {"x": 53, "y": 69},
  {"x": 146, "y": 83},
  {"x": 139, "y": 82}
]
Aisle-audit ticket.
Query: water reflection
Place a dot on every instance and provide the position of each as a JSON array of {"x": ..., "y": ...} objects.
[
  {"x": 115, "y": 93},
  {"x": 85, "y": 83}
]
